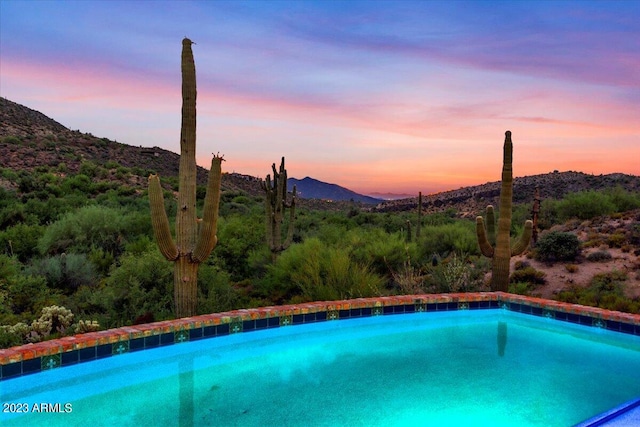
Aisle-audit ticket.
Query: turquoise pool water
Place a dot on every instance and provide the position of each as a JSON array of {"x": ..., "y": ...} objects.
[{"x": 485, "y": 367}]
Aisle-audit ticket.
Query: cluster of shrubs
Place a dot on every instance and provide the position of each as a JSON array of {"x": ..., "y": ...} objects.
[
  {"x": 54, "y": 321},
  {"x": 605, "y": 290}
]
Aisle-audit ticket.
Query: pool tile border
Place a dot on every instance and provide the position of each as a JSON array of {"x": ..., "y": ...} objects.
[{"x": 66, "y": 351}]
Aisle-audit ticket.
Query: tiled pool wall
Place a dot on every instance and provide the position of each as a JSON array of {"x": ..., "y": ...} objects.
[{"x": 33, "y": 358}]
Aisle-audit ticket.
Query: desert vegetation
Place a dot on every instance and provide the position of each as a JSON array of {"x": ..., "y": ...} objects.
[{"x": 87, "y": 247}]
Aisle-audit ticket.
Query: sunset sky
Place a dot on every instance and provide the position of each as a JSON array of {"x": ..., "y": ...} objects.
[{"x": 376, "y": 96}]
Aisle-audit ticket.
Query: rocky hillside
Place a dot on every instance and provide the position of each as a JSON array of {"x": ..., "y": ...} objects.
[
  {"x": 29, "y": 139},
  {"x": 468, "y": 201}
]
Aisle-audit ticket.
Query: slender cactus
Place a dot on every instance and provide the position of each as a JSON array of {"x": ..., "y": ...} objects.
[
  {"x": 501, "y": 251},
  {"x": 535, "y": 213},
  {"x": 419, "y": 225},
  {"x": 275, "y": 205},
  {"x": 190, "y": 248}
]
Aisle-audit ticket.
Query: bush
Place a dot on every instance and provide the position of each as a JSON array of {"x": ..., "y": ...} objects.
[
  {"x": 599, "y": 256},
  {"x": 605, "y": 290},
  {"x": 528, "y": 275},
  {"x": 314, "y": 271},
  {"x": 66, "y": 272},
  {"x": 558, "y": 246},
  {"x": 585, "y": 205}
]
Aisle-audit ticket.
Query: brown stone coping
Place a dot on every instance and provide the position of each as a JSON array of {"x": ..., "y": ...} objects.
[{"x": 63, "y": 345}]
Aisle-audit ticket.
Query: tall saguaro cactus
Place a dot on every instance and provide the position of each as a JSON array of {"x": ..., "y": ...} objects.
[
  {"x": 191, "y": 246},
  {"x": 498, "y": 247},
  {"x": 275, "y": 205}
]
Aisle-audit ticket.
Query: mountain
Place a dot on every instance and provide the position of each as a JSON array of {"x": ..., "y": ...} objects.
[
  {"x": 33, "y": 142},
  {"x": 309, "y": 188},
  {"x": 468, "y": 201}
]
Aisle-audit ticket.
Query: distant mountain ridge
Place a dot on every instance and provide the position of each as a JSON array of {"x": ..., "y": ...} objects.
[
  {"x": 468, "y": 201},
  {"x": 310, "y": 188},
  {"x": 30, "y": 139}
]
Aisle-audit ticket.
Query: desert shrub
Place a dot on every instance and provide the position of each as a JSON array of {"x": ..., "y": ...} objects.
[
  {"x": 380, "y": 251},
  {"x": 585, "y": 205},
  {"x": 409, "y": 279},
  {"x": 623, "y": 200},
  {"x": 459, "y": 237},
  {"x": 616, "y": 240},
  {"x": 91, "y": 227},
  {"x": 315, "y": 271},
  {"x": 453, "y": 275},
  {"x": 215, "y": 291},
  {"x": 238, "y": 237},
  {"x": 28, "y": 294},
  {"x": 77, "y": 183},
  {"x": 11, "y": 140},
  {"x": 558, "y": 246},
  {"x": 521, "y": 288},
  {"x": 65, "y": 272},
  {"x": 599, "y": 256},
  {"x": 605, "y": 290},
  {"x": 141, "y": 284},
  {"x": 528, "y": 275},
  {"x": 571, "y": 268},
  {"x": 21, "y": 240}
]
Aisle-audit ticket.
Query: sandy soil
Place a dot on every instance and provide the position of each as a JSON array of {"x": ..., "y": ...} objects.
[
  {"x": 558, "y": 277},
  {"x": 598, "y": 230}
]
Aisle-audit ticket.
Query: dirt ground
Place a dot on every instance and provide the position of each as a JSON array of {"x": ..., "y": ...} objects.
[
  {"x": 599, "y": 231},
  {"x": 558, "y": 277}
]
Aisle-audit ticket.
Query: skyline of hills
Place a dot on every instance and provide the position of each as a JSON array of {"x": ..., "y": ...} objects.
[{"x": 29, "y": 139}]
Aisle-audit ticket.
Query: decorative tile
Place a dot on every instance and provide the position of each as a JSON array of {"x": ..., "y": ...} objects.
[
  {"x": 549, "y": 314},
  {"x": 286, "y": 320},
  {"x": 235, "y": 327},
  {"x": 51, "y": 362},
  {"x": 121, "y": 347},
  {"x": 333, "y": 315},
  {"x": 420, "y": 307},
  {"x": 181, "y": 336},
  {"x": 376, "y": 311},
  {"x": 598, "y": 323},
  {"x": 463, "y": 306}
]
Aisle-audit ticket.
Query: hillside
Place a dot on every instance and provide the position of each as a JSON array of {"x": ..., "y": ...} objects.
[
  {"x": 468, "y": 201},
  {"x": 29, "y": 139}
]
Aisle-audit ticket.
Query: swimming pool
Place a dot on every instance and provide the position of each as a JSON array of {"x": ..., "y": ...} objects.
[{"x": 449, "y": 360}]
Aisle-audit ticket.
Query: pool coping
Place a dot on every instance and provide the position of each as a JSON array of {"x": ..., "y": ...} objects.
[{"x": 33, "y": 358}]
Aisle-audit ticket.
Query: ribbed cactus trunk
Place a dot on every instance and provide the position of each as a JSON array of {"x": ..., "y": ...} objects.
[
  {"x": 502, "y": 252},
  {"x": 192, "y": 246},
  {"x": 419, "y": 225},
  {"x": 534, "y": 214},
  {"x": 275, "y": 205}
]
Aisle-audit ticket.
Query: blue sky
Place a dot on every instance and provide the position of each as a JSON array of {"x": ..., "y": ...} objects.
[{"x": 389, "y": 96}]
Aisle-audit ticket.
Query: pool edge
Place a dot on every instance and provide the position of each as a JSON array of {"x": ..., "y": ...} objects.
[{"x": 33, "y": 358}]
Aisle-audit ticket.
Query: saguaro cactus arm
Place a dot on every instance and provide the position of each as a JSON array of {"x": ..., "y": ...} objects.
[
  {"x": 159, "y": 220},
  {"x": 207, "y": 238},
  {"x": 485, "y": 247},
  {"x": 523, "y": 243}
]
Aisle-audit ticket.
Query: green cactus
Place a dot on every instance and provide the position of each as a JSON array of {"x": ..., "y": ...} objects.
[
  {"x": 535, "y": 213},
  {"x": 191, "y": 246},
  {"x": 419, "y": 225},
  {"x": 498, "y": 247},
  {"x": 275, "y": 205}
]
